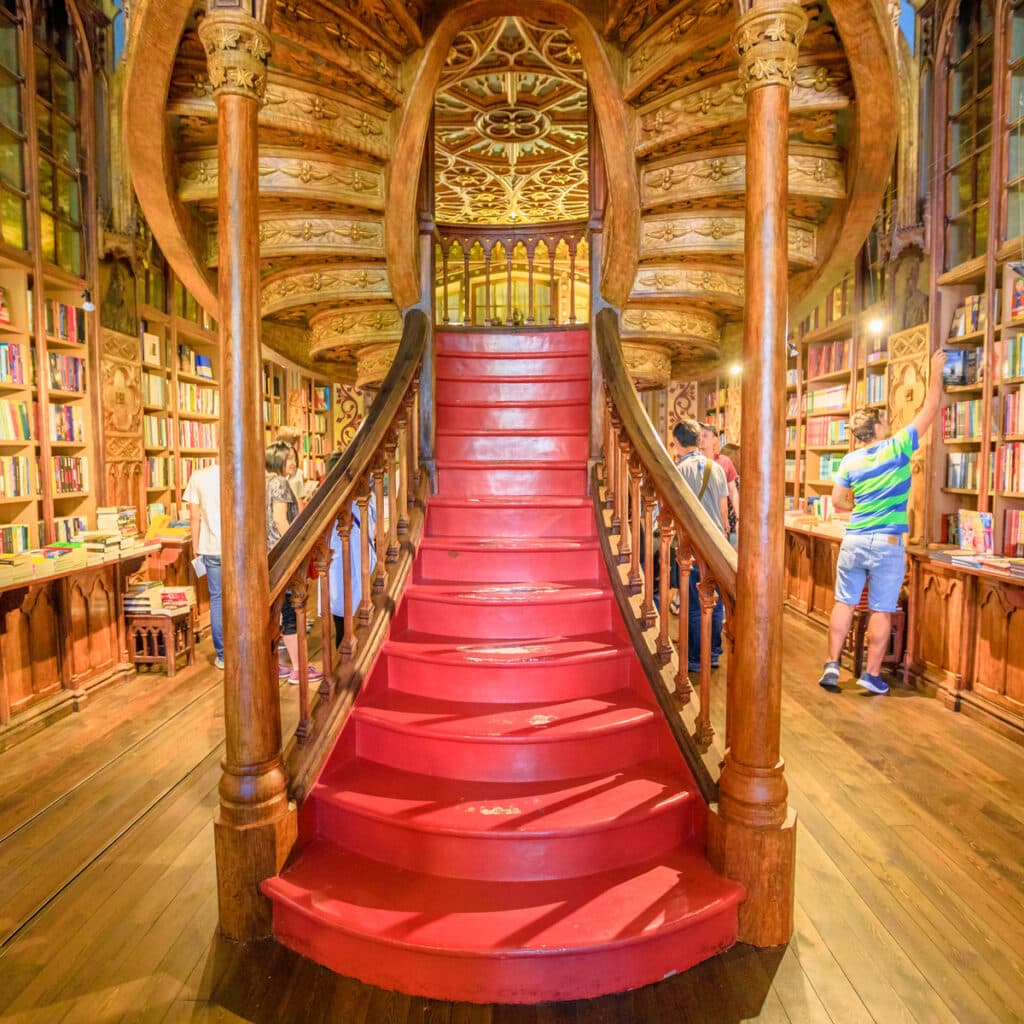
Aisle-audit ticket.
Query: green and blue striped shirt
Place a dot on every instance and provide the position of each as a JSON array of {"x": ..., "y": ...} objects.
[{"x": 879, "y": 477}]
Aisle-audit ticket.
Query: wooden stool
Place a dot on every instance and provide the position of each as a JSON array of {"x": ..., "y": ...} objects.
[
  {"x": 161, "y": 639},
  {"x": 856, "y": 640}
]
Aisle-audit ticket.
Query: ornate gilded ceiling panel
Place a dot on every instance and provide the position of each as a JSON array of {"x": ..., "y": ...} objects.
[
  {"x": 290, "y": 175},
  {"x": 511, "y": 139},
  {"x": 311, "y": 286}
]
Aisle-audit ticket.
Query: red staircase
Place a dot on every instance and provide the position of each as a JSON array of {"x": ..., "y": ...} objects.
[{"x": 506, "y": 817}]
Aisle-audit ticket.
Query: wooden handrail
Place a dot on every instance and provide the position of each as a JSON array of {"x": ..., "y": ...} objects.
[
  {"x": 337, "y": 490},
  {"x": 636, "y": 482}
]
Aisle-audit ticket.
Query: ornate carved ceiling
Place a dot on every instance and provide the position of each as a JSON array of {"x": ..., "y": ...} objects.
[
  {"x": 510, "y": 147},
  {"x": 510, "y": 127}
]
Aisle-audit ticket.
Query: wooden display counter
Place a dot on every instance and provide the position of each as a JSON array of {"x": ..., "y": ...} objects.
[
  {"x": 965, "y": 627},
  {"x": 63, "y": 637}
]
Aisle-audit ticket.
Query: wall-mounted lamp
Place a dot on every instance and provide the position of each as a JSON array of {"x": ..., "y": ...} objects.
[
  {"x": 87, "y": 304},
  {"x": 876, "y": 325},
  {"x": 736, "y": 369}
]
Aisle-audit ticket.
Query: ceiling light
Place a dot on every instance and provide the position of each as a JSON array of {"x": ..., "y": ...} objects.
[
  {"x": 876, "y": 325},
  {"x": 736, "y": 369}
]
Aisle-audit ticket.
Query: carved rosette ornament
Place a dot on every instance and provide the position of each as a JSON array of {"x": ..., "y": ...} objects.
[
  {"x": 237, "y": 48},
  {"x": 767, "y": 39}
]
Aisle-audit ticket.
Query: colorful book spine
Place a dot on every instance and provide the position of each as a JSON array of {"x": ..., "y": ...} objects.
[{"x": 12, "y": 366}]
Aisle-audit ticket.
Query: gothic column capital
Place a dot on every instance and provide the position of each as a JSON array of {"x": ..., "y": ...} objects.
[
  {"x": 237, "y": 48},
  {"x": 767, "y": 39}
]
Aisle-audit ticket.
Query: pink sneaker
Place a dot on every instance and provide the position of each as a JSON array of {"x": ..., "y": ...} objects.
[
  {"x": 314, "y": 674},
  {"x": 283, "y": 671}
]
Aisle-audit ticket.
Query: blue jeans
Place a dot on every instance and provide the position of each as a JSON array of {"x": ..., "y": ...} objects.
[
  {"x": 717, "y": 618},
  {"x": 213, "y": 583}
]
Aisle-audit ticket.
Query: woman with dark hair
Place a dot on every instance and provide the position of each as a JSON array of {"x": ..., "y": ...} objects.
[{"x": 282, "y": 508}]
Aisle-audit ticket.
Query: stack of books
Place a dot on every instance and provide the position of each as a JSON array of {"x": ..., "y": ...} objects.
[
  {"x": 119, "y": 520},
  {"x": 15, "y": 568},
  {"x": 138, "y": 597}
]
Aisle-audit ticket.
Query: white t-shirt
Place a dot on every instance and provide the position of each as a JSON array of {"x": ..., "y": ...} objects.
[{"x": 203, "y": 490}]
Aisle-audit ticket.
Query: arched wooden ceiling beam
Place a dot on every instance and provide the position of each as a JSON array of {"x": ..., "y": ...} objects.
[
  {"x": 622, "y": 218},
  {"x": 870, "y": 46},
  {"x": 152, "y": 50}
]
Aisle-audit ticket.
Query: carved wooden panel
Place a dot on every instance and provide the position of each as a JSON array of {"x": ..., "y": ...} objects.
[
  {"x": 941, "y": 621},
  {"x": 798, "y": 570},
  {"x": 121, "y": 381},
  {"x": 30, "y": 645},
  {"x": 92, "y": 614},
  {"x": 999, "y": 644},
  {"x": 824, "y": 552},
  {"x": 908, "y": 384},
  {"x": 682, "y": 404},
  {"x": 348, "y": 414}
]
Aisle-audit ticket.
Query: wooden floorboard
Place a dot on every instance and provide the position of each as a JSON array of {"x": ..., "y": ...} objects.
[{"x": 910, "y": 878}]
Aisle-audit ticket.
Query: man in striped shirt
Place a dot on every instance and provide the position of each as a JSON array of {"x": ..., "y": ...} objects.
[{"x": 874, "y": 481}]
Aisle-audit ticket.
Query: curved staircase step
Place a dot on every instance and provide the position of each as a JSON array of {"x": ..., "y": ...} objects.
[
  {"x": 535, "y": 415},
  {"x": 505, "y": 831},
  {"x": 511, "y": 517},
  {"x": 481, "y": 479},
  {"x": 503, "y": 671},
  {"x": 513, "y": 365},
  {"x": 494, "y": 447},
  {"x": 507, "y": 611},
  {"x": 507, "y": 560},
  {"x": 517, "y": 742},
  {"x": 502, "y": 343},
  {"x": 518, "y": 942},
  {"x": 515, "y": 390}
]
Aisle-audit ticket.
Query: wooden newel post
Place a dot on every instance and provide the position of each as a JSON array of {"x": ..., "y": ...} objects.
[
  {"x": 752, "y": 832},
  {"x": 256, "y": 826}
]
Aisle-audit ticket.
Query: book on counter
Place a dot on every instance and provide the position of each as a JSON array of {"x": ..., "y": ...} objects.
[{"x": 974, "y": 531}]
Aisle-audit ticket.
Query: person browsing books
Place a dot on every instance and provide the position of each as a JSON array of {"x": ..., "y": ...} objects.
[
  {"x": 874, "y": 482},
  {"x": 202, "y": 495}
]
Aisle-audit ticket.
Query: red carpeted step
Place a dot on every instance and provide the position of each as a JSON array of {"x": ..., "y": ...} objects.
[
  {"x": 561, "y": 342},
  {"x": 504, "y": 671},
  {"x": 511, "y": 517},
  {"x": 515, "y": 742},
  {"x": 507, "y": 611},
  {"x": 464, "y": 479},
  {"x": 505, "y": 831},
  {"x": 476, "y": 445},
  {"x": 519, "y": 366},
  {"x": 510, "y": 391},
  {"x": 507, "y": 560},
  {"x": 537, "y": 415},
  {"x": 525, "y": 942}
]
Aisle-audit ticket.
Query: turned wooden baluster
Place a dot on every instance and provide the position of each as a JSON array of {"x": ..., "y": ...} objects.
[
  {"x": 363, "y": 504},
  {"x": 647, "y": 609},
  {"x": 612, "y": 465},
  {"x": 297, "y": 594},
  {"x": 609, "y": 493},
  {"x": 380, "y": 578},
  {"x": 391, "y": 461},
  {"x": 708, "y": 594},
  {"x": 322, "y": 558},
  {"x": 572, "y": 284},
  {"x": 508, "y": 270},
  {"x": 344, "y": 528},
  {"x": 414, "y": 445},
  {"x": 623, "y": 493},
  {"x": 552, "y": 312},
  {"x": 465, "y": 287},
  {"x": 635, "y": 471},
  {"x": 529, "y": 260},
  {"x": 684, "y": 563},
  {"x": 404, "y": 418},
  {"x": 666, "y": 527},
  {"x": 487, "y": 287}
]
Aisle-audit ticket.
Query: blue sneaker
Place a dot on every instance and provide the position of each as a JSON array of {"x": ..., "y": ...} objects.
[
  {"x": 874, "y": 684},
  {"x": 830, "y": 677}
]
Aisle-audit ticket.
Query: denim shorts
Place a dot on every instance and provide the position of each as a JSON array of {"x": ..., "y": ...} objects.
[{"x": 871, "y": 558}]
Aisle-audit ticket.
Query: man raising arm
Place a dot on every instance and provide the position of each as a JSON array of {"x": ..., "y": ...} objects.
[{"x": 874, "y": 481}]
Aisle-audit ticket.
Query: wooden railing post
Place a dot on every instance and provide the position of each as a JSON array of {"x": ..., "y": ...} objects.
[
  {"x": 255, "y": 827},
  {"x": 348, "y": 645},
  {"x": 752, "y": 832},
  {"x": 322, "y": 558}
]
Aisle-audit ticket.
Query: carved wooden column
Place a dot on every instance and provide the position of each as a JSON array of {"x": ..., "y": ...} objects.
[
  {"x": 487, "y": 287},
  {"x": 752, "y": 836},
  {"x": 529, "y": 259},
  {"x": 508, "y": 282},
  {"x": 465, "y": 285},
  {"x": 256, "y": 827},
  {"x": 444, "y": 284},
  {"x": 552, "y": 314},
  {"x": 572, "y": 282}
]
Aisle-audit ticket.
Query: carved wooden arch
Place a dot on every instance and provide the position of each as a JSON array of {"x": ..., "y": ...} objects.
[{"x": 622, "y": 214}]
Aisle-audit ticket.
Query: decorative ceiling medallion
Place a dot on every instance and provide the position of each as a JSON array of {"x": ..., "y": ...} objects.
[{"x": 511, "y": 131}]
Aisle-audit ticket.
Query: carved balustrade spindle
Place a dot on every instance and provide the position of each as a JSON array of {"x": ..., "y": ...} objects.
[
  {"x": 322, "y": 558},
  {"x": 530, "y": 319},
  {"x": 391, "y": 460},
  {"x": 612, "y": 464},
  {"x": 623, "y": 492},
  {"x": 635, "y": 474},
  {"x": 666, "y": 527},
  {"x": 487, "y": 286},
  {"x": 444, "y": 286},
  {"x": 647, "y": 609},
  {"x": 414, "y": 443},
  {"x": 297, "y": 596},
  {"x": 572, "y": 284},
  {"x": 344, "y": 527},
  {"x": 380, "y": 578},
  {"x": 552, "y": 312},
  {"x": 366, "y": 600},
  {"x": 708, "y": 595},
  {"x": 609, "y": 494},
  {"x": 508, "y": 276},
  {"x": 465, "y": 287},
  {"x": 684, "y": 563}
]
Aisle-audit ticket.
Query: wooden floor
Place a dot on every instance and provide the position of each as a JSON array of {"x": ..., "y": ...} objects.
[{"x": 910, "y": 877}]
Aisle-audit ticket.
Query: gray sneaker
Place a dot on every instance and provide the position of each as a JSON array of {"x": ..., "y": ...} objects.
[{"x": 830, "y": 677}]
